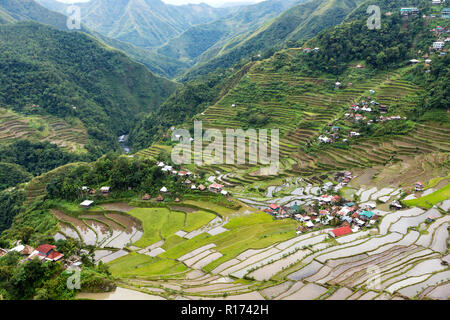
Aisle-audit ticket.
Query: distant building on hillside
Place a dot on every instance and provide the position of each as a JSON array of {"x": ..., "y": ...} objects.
[
  {"x": 215, "y": 187},
  {"x": 438, "y": 45},
  {"x": 409, "y": 11},
  {"x": 105, "y": 189},
  {"x": 419, "y": 186},
  {"x": 86, "y": 204},
  {"x": 445, "y": 13},
  {"x": 46, "y": 252}
]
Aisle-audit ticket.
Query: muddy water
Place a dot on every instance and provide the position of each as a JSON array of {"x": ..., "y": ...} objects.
[
  {"x": 184, "y": 209},
  {"x": 341, "y": 294},
  {"x": 440, "y": 239},
  {"x": 119, "y": 206},
  {"x": 101, "y": 229},
  {"x": 132, "y": 233},
  {"x": 431, "y": 281},
  {"x": 89, "y": 236},
  {"x": 442, "y": 292},
  {"x": 68, "y": 231},
  {"x": 119, "y": 294},
  {"x": 308, "y": 292}
]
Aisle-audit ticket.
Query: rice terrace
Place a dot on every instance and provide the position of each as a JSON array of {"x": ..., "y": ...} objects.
[{"x": 348, "y": 199}]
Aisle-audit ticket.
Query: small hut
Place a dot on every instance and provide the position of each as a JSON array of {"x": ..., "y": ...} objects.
[
  {"x": 159, "y": 198},
  {"x": 146, "y": 197}
]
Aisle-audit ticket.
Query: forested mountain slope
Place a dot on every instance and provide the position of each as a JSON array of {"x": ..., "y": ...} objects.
[
  {"x": 18, "y": 10},
  {"x": 204, "y": 41},
  {"x": 297, "y": 23},
  {"x": 71, "y": 75},
  {"x": 144, "y": 23}
]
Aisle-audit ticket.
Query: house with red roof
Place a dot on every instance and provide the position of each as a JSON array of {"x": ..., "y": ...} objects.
[
  {"x": 274, "y": 207},
  {"x": 215, "y": 187},
  {"x": 46, "y": 252},
  {"x": 340, "y": 231},
  {"x": 419, "y": 186}
]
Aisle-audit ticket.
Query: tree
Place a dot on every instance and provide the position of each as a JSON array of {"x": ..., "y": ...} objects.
[{"x": 25, "y": 234}]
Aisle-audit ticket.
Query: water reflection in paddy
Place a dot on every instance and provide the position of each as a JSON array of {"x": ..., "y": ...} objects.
[{"x": 119, "y": 294}]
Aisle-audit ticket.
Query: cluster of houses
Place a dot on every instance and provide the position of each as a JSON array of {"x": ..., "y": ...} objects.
[
  {"x": 105, "y": 190},
  {"x": 329, "y": 209},
  {"x": 44, "y": 252},
  {"x": 308, "y": 50},
  {"x": 325, "y": 210},
  {"x": 214, "y": 187},
  {"x": 355, "y": 114},
  {"x": 409, "y": 11},
  {"x": 445, "y": 13}
]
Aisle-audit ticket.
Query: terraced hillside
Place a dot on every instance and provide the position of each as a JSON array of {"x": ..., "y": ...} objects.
[
  {"x": 304, "y": 107},
  {"x": 71, "y": 137},
  {"x": 36, "y": 188},
  {"x": 399, "y": 259},
  {"x": 375, "y": 151}
]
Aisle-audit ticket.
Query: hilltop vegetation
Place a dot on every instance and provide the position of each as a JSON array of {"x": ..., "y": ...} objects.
[
  {"x": 147, "y": 23},
  {"x": 297, "y": 23},
  {"x": 72, "y": 75},
  {"x": 204, "y": 41}
]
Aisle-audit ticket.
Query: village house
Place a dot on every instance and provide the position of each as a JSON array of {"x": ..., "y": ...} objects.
[
  {"x": 324, "y": 139},
  {"x": 3, "y": 252},
  {"x": 105, "y": 189},
  {"x": 215, "y": 187},
  {"x": 46, "y": 252},
  {"x": 445, "y": 13},
  {"x": 146, "y": 197},
  {"x": 396, "y": 205},
  {"x": 340, "y": 231},
  {"x": 419, "y": 186},
  {"x": 159, "y": 198},
  {"x": 383, "y": 109},
  {"x": 438, "y": 45},
  {"x": 86, "y": 204},
  {"x": 24, "y": 250},
  {"x": 201, "y": 187},
  {"x": 436, "y": 2},
  {"x": 163, "y": 190},
  {"x": 409, "y": 11}
]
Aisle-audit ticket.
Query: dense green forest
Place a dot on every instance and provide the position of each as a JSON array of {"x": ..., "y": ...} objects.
[
  {"x": 12, "y": 11},
  {"x": 71, "y": 74},
  {"x": 187, "y": 101},
  {"x": 126, "y": 177},
  {"x": 38, "y": 280},
  {"x": 38, "y": 157},
  {"x": 10, "y": 205},
  {"x": 299, "y": 22},
  {"x": 12, "y": 174},
  {"x": 390, "y": 47}
]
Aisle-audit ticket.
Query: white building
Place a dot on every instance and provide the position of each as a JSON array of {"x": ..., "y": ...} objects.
[
  {"x": 438, "y": 45},
  {"x": 86, "y": 203}
]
